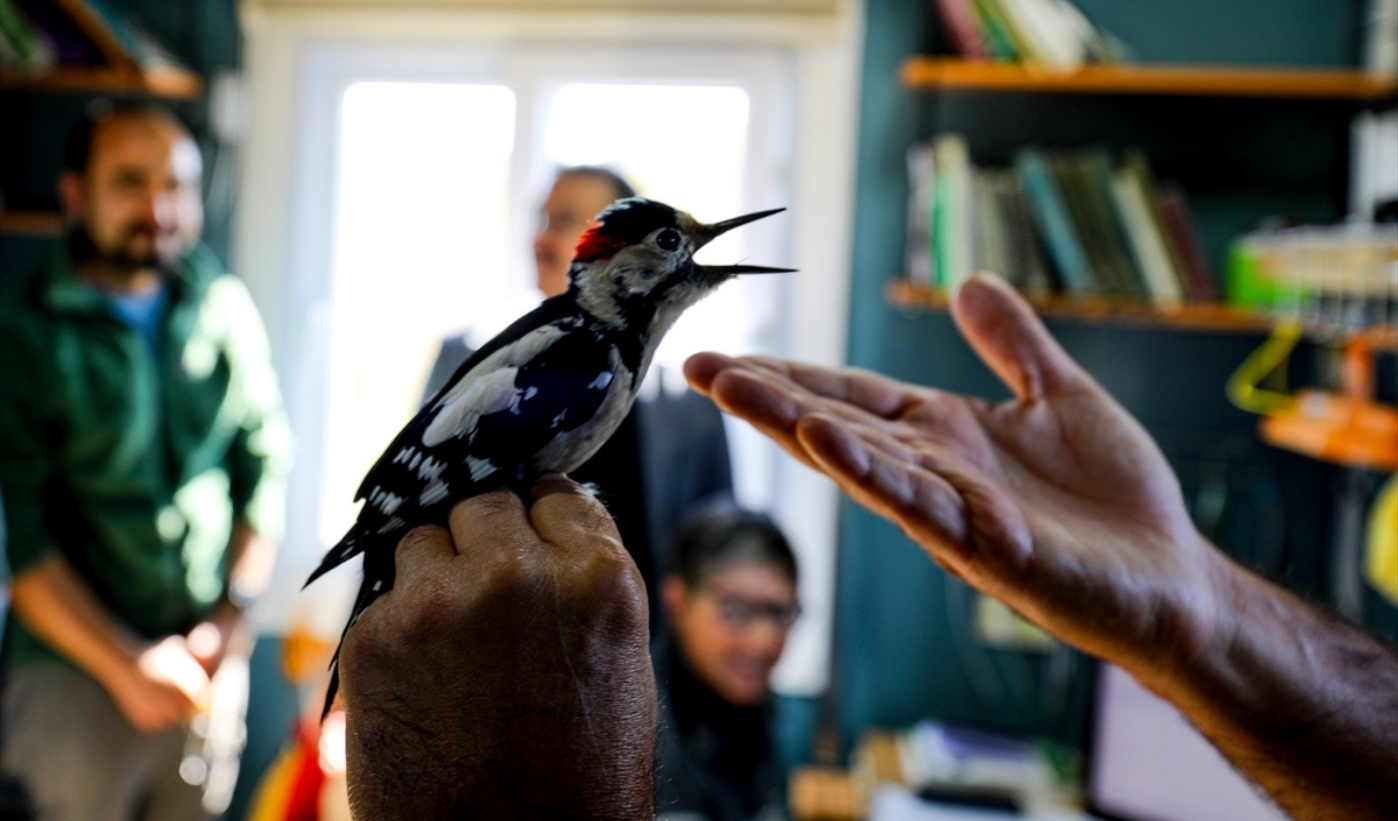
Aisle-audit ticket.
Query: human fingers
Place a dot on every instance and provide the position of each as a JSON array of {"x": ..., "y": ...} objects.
[
  {"x": 865, "y": 391},
  {"x": 149, "y": 704},
  {"x": 169, "y": 666},
  {"x": 161, "y": 709},
  {"x": 701, "y": 368},
  {"x": 941, "y": 498},
  {"x": 565, "y": 514},
  {"x": 1010, "y": 338},
  {"x": 590, "y": 570},
  {"x": 761, "y": 394},
  {"x": 763, "y": 402},
  {"x": 888, "y": 477},
  {"x": 489, "y": 524},
  {"x": 419, "y": 549}
]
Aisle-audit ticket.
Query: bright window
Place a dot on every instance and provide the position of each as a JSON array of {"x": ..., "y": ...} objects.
[{"x": 420, "y": 250}]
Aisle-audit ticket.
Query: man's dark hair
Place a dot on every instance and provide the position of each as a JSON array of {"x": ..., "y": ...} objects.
[
  {"x": 721, "y": 534},
  {"x": 621, "y": 189},
  {"x": 77, "y": 150}
]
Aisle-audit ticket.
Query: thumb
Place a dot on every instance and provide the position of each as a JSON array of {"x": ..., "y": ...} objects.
[{"x": 1011, "y": 340}]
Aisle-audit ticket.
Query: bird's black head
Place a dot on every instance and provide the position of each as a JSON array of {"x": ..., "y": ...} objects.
[{"x": 635, "y": 263}]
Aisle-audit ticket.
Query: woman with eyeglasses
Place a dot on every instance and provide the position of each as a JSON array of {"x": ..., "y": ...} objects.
[{"x": 730, "y": 599}]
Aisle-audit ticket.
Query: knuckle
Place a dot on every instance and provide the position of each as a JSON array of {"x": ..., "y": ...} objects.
[
  {"x": 486, "y": 506},
  {"x": 610, "y": 585}
]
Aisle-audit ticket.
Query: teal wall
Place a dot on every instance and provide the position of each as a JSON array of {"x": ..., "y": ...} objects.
[{"x": 902, "y": 648}]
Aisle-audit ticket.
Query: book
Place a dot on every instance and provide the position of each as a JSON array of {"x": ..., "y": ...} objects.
[
  {"x": 1135, "y": 161},
  {"x": 1050, "y": 217},
  {"x": 1029, "y": 267},
  {"x": 17, "y": 46},
  {"x": 1095, "y": 167},
  {"x": 989, "y": 229},
  {"x": 921, "y": 268},
  {"x": 998, "y": 38},
  {"x": 1179, "y": 229},
  {"x": 1048, "y": 35},
  {"x": 1073, "y": 188},
  {"x": 953, "y": 239},
  {"x": 1145, "y": 240},
  {"x": 959, "y": 21},
  {"x": 24, "y": 44}
]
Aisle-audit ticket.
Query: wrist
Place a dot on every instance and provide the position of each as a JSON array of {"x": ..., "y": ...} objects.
[
  {"x": 121, "y": 662},
  {"x": 1226, "y": 666},
  {"x": 1196, "y": 621}
]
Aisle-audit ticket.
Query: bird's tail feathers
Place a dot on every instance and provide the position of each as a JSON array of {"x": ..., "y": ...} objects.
[
  {"x": 378, "y": 580},
  {"x": 347, "y": 548}
]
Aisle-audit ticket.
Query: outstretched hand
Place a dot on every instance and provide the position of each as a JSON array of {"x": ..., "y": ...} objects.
[
  {"x": 506, "y": 674},
  {"x": 1055, "y": 501}
]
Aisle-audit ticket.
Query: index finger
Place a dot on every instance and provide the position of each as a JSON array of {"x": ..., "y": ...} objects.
[
  {"x": 873, "y": 393},
  {"x": 773, "y": 395},
  {"x": 489, "y": 522},
  {"x": 565, "y": 514}
]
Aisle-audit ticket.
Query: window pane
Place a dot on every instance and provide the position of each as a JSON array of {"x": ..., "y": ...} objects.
[{"x": 423, "y": 200}]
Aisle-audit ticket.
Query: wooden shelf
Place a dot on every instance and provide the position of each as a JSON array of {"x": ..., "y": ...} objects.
[
  {"x": 31, "y": 223},
  {"x": 1205, "y": 317},
  {"x": 163, "y": 82},
  {"x": 939, "y": 73},
  {"x": 1196, "y": 317}
]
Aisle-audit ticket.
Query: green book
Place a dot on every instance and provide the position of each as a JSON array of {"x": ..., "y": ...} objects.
[
  {"x": 22, "y": 46},
  {"x": 1004, "y": 46}
]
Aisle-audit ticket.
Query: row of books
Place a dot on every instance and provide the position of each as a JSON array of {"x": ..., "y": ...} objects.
[
  {"x": 39, "y": 36},
  {"x": 1057, "y": 221},
  {"x": 1047, "y": 32}
]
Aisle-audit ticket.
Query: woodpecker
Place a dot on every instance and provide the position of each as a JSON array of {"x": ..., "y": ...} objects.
[{"x": 544, "y": 394}]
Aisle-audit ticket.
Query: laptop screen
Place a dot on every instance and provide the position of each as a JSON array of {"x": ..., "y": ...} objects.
[{"x": 1149, "y": 764}]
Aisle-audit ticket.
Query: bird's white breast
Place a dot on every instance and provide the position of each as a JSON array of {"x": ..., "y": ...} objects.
[{"x": 570, "y": 450}]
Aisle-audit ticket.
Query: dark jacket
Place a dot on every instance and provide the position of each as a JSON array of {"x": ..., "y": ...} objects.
[{"x": 715, "y": 761}]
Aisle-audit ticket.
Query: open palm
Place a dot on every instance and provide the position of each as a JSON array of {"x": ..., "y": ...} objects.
[{"x": 1056, "y": 501}]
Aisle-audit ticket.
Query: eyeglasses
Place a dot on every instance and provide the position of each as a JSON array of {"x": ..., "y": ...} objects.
[{"x": 741, "y": 613}]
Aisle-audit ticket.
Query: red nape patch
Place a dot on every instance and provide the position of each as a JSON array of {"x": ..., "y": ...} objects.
[{"x": 594, "y": 244}]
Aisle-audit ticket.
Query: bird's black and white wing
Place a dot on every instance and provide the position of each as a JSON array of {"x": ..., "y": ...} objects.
[{"x": 482, "y": 431}]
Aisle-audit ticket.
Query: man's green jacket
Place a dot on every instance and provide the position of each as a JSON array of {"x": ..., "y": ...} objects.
[{"x": 134, "y": 464}]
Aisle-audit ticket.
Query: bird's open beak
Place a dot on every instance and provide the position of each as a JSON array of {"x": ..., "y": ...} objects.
[{"x": 709, "y": 232}]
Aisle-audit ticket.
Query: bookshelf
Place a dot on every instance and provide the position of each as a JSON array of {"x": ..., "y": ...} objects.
[
  {"x": 31, "y": 223},
  {"x": 1209, "y": 317},
  {"x": 950, "y": 74},
  {"x": 112, "y": 57}
]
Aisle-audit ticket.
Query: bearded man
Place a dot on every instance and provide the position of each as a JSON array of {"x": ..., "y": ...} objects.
[{"x": 143, "y": 451}]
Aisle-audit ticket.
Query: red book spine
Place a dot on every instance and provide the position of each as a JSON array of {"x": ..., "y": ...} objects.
[
  {"x": 1174, "y": 212},
  {"x": 961, "y": 26}
]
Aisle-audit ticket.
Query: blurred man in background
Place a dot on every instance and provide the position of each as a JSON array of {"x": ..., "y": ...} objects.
[
  {"x": 142, "y": 454},
  {"x": 671, "y": 451}
]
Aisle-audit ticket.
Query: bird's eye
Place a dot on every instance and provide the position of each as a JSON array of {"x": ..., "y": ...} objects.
[{"x": 668, "y": 240}]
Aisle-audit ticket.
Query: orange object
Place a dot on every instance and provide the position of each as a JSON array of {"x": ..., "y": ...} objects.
[
  {"x": 1340, "y": 429},
  {"x": 1350, "y": 429},
  {"x": 304, "y": 655}
]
